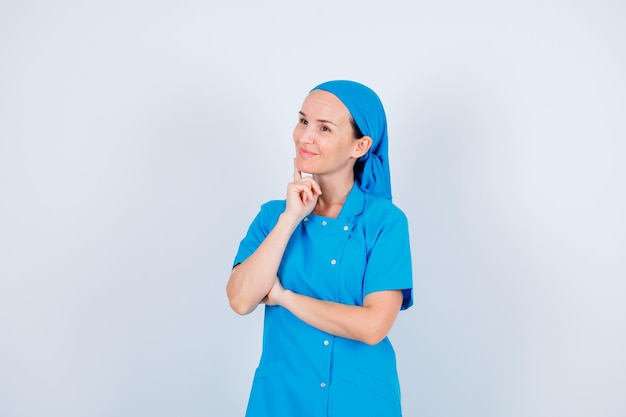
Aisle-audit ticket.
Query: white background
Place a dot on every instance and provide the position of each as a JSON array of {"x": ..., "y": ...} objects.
[{"x": 138, "y": 140}]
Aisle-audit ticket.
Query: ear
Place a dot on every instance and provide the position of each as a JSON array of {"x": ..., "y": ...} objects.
[{"x": 362, "y": 146}]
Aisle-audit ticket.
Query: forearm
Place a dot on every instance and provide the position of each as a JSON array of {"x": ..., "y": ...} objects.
[
  {"x": 251, "y": 280},
  {"x": 369, "y": 324}
]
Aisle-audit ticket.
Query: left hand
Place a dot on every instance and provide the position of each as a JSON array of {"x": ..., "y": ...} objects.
[{"x": 273, "y": 298}]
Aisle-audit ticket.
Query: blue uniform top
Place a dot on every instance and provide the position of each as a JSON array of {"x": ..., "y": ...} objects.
[{"x": 304, "y": 371}]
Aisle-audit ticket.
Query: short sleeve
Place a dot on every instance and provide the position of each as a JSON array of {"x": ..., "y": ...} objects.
[
  {"x": 389, "y": 263},
  {"x": 260, "y": 227}
]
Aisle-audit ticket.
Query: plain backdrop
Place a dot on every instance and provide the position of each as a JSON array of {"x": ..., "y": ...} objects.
[{"x": 138, "y": 139}]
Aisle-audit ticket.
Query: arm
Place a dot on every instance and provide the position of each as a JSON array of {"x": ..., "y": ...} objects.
[
  {"x": 368, "y": 324},
  {"x": 251, "y": 280}
]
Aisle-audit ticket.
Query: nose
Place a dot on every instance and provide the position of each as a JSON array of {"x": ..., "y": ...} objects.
[
  {"x": 304, "y": 134},
  {"x": 306, "y": 138}
]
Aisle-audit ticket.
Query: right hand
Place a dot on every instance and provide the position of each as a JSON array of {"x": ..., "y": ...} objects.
[{"x": 302, "y": 194}]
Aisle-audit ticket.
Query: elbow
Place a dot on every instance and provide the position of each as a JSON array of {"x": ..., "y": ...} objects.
[
  {"x": 374, "y": 339},
  {"x": 374, "y": 335},
  {"x": 237, "y": 299},
  {"x": 239, "y": 307},
  {"x": 237, "y": 304}
]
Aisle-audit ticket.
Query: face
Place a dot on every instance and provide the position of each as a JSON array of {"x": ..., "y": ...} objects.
[{"x": 324, "y": 137}]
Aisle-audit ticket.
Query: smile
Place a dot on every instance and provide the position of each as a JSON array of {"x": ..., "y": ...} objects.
[{"x": 303, "y": 153}]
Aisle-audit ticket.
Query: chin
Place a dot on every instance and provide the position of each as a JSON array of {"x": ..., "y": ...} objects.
[{"x": 304, "y": 167}]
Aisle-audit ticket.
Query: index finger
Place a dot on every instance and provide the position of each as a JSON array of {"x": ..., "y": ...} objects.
[{"x": 297, "y": 174}]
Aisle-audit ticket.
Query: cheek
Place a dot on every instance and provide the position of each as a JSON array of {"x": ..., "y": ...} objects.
[{"x": 297, "y": 132}]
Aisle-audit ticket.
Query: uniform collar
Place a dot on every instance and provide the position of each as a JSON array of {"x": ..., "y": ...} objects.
[{"x": 354, "y": 204}]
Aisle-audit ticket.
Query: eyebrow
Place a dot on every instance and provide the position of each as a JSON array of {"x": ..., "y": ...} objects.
[{"x": 319, "y": 120}]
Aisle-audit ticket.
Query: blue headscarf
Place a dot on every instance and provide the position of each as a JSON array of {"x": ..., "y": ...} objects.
[{"x": 372, "y": 169}]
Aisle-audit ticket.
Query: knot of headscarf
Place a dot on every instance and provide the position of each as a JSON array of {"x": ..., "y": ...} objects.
[{"x": 372, "y": 169}]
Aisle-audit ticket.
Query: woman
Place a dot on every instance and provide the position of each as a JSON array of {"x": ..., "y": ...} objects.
[{"x": 332, "y": 265}]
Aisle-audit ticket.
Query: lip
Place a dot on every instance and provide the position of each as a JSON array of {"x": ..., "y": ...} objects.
[{"x": 303, "y": 153}]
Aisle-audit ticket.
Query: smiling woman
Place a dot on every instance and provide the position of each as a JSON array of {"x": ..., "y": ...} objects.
[
  {"x": 332, "y": 265},
  {"x": 326, "y": 144}
]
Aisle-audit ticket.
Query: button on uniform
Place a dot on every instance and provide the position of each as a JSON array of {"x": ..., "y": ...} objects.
[
  {"x": 323, "y": 385},
  {"x": 326, "y": 342}
]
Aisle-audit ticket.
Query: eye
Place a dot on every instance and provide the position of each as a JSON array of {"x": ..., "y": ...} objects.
[
  {"x": 304, "y": 121},
  {"x": 324, "y": 128}
]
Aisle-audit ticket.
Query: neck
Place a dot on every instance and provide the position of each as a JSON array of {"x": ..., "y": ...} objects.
[{"x": 334, "y": 193}]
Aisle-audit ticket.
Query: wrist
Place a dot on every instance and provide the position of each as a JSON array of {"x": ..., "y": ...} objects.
[
  {"x": 290, "y": 218},
  {"x": 285, "y": 298}
]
